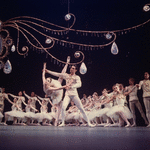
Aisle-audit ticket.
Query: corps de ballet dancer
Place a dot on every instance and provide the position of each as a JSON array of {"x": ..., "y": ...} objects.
[
  {"x": 71, "y": 92},
  {"x": 14, "y": 114},
  {"x": 19, "y": 102},
  {"x": 131, "y": 90},
  {"x": 145, "y": 85},
  {"x": 3, "y": 96},
  {"x": 54, "y": 89},
  {"x": 44, "y": 116},
  {"x": 33, "y": 101},
  {"x": 29, "y": 114},
  {"x": 120, "y": 109}
]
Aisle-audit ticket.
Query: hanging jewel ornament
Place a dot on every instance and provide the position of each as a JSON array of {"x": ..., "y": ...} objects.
[
  {"x": 25, "y": 48},
  {"x": 108, "y": 36},
  {"x": 114, "y": 49},
  {"x": 7, "y": 67},
  {"x": 48, "y": 41},
  {"x": 146, "y": 8},
  {"x": 13, "y": 48},
  {"x": 67, "y": 17},
  {"x": 76, "y": 54},
  {"x": 83, "y": 68}
]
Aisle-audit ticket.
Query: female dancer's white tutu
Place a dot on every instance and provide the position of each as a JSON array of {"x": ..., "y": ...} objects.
[
  {"x": 113, "y": 111},
  {"x": 43, "y": 115}
]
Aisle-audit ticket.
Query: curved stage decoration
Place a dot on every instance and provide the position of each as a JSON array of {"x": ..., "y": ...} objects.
[{"x": 34, "y": 30}]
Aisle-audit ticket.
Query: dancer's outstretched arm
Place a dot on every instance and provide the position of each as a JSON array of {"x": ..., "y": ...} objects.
[
  {"x": 14, "y": 96},
  {"x": 10, "y": 101},
  {"x": 26, "y": 95}
]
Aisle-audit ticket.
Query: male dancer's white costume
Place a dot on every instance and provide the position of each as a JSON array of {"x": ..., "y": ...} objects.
[
  {"x": 145, "y": 84},
  {"x": 71, "y": 94}
]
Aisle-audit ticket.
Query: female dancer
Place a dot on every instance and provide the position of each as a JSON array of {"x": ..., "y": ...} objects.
[
  {"x": 54, "y": 89},
  {"x": 122, "y": 111},
  {"x": 29, "y": 115},
  {"x": 20, "y": 100},
  {"x": 107, "y": 106},
  {"x": 145, "y": 84},
  {"x": 43, "y": 116},
  {"x": 14, "y": 113}
]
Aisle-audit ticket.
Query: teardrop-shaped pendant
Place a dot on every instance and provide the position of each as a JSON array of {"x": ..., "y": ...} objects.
[
  {"x": 83, "y": 68},
  {"x": 7, "y": 67},
  {"x": 114, "y": 49},
  {"x": 13, "y": 48}
]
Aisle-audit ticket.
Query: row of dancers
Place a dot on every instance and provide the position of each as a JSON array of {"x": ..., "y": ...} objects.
[{"x": 109, "y": 109}]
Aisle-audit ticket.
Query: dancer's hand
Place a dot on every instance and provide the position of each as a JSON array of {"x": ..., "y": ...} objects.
[
  {"x": 67, "y": 87},
  {"x": 68, "y": 59},
  {"x": 44, "y": 66}
]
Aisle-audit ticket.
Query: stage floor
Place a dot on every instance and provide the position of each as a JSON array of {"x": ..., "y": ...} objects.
[{"x": 70, "y": 138}]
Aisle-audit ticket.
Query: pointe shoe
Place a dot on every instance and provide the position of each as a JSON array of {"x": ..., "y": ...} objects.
[
  {"x": 128, "y": 125},
  {"x": 83, "y": 125},
  {"x": 62, "y": 125},
  {"x": 23, "y": 124},
  {"x": 146, "y": 123},
  {"x": 91, "y": 125},
  {"x": 114, "y": 125},
  {"x": 107, "y": 125},
  {"x": 148, "y": 126},
  {"x": 4, "y": 124},
  {"x": 134, "y": 125}
]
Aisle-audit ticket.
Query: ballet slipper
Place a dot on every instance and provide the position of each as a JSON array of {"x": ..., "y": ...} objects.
[
  {"x": 148, "y": 126},
  {"x": 134, "y": 125},
  {"x": 107, "y": 125},
  {"x": 4, "y": 124},
  {"x": 91, "y": 125},
  {"x": 62, "y": 125},
  {"x": 128, "y": 125},
  {"x": 23, "y": 124},
  {"x": 83, "y": 125},
  {"x": 146, "y": 122}
]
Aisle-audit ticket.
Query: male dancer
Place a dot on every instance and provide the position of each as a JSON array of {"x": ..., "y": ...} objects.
[
  {"x": 131, "y": 90},
  {"x": 145, "y": 84},
  {"x": 71, "y": 92}
]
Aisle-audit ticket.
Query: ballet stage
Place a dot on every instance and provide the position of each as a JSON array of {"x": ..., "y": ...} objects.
[{"x": 70, "y": 138}]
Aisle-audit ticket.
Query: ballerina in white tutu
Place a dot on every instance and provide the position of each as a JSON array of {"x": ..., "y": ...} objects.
[
  {"x": 49, "y": 87},
  {"x": 101, "y": 113},
  {"x": 44, "y": 116},
  {"x": 120, "y": 109},
  {"x": 14, "y": 113},
  {"x": 29, "y": 114},
  {"x": 20, "y": 100}
]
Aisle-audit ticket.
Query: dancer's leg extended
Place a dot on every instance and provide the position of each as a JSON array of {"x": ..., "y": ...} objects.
[{"x": 64, "y": 69}]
